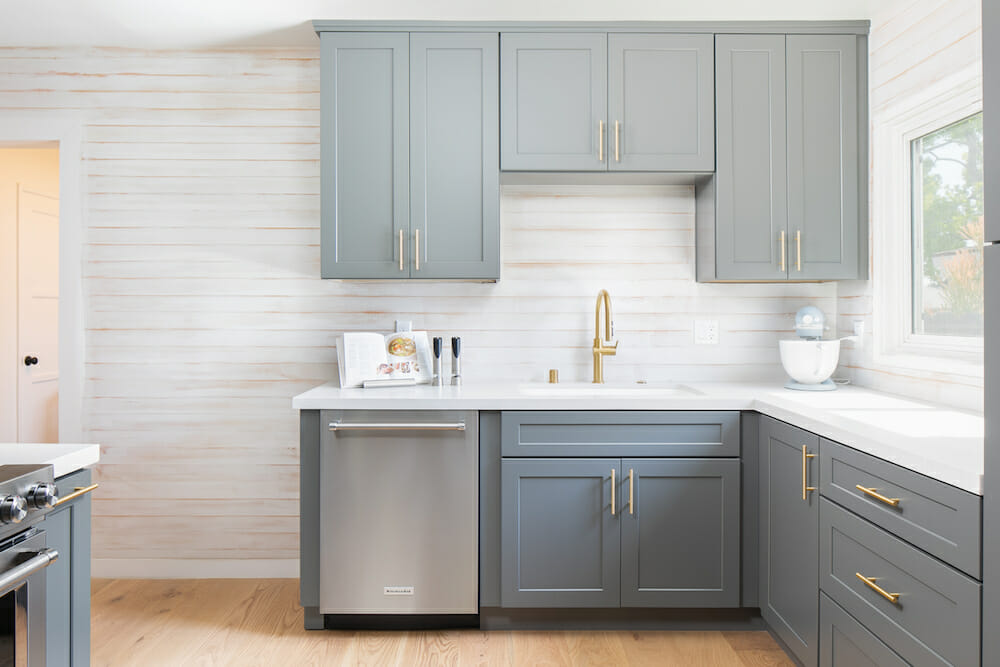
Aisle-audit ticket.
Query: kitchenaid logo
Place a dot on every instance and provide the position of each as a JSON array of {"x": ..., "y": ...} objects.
[{"x": 397, "y": 590}]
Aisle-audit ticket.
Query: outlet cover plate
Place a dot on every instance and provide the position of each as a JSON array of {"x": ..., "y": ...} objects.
[{"x": 706, "y": 332}]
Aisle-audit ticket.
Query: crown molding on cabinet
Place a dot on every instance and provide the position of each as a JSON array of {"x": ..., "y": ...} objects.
[{"x": 687, "y": 27}]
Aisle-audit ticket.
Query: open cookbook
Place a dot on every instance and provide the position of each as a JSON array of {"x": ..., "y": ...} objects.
[{"x": 404, "y": 355}]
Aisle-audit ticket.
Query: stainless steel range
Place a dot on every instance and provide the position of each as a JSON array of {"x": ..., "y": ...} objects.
[{"x": 27, "y": 494}]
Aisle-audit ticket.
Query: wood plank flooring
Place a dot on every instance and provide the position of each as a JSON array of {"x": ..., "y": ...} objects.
[{"x": 259, "y": 622}]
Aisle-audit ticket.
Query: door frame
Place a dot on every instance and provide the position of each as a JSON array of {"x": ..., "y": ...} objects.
[{"x": 67, "y": 130}]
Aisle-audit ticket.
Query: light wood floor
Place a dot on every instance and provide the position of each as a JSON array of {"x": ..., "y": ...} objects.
[{"x": 259, "y": 622}]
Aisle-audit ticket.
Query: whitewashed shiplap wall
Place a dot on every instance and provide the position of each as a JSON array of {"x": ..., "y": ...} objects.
[
  {"x": 205, "y": 314},
  {"x": 913, "y": 45}
]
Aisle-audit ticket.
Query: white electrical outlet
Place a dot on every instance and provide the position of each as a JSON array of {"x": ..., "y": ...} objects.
[{"x": 706, "y": 332}]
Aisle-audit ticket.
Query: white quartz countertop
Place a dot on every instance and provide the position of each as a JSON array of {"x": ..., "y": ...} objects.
[
  {"x": 64, "y": 458},
  {"x": 939, "y": 442}
]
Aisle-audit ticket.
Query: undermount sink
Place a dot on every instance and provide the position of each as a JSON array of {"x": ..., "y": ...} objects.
[{"x": 611, "y": 389}]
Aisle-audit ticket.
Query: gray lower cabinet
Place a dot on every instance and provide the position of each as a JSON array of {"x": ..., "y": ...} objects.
[
  {"x": 680, "y": 532},
  {"x": 560, "y": 533},
  {"x": 409, "y": 155},
  {"x": 789, "y": 536},
  {"x": 553, "y": 96},
  {"x": 661, "y": 97},
  {"x": 67, "y": 580},
  {"x": 846, "y": 643}
]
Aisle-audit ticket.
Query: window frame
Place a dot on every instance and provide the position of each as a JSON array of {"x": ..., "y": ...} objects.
[{"x": 943, "y": 103}]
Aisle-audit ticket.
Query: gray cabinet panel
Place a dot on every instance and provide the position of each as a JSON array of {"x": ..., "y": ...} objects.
[
  {"x": 454, "y": 174},
  {"x": 846, "y": 643},
  {"x": 554, "y": 97},
  {"x": 364, "y": 128},
  {"x": 751, "y": 183},
  {"x": 67, "y": 585},
  {"x": 680, "y": 533},
  {"x": 620, "y": 433},
  {"x": 560, "y": 540},
  {"x": 822, "y": 108},
  {"x": 936, "y": 619},
  {"x": 789, "y": 537},
  {"x": 661, "y": 102},
  {"x": 937, "y": 517}
]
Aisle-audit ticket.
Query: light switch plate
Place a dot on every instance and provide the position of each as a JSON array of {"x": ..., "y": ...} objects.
[{"x": 706, "y": 332}]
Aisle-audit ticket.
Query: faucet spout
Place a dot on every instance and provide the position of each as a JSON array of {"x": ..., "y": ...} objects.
[{"x": 603, "y": 346}]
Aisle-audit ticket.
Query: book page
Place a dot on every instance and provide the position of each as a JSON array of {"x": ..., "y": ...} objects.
[
  {"x": 360, "y": 357},
  {"x": 408, "y": 356}
]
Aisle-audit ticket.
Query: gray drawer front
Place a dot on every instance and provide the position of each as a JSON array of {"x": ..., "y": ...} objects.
[
  {"x": 939, "y": 518},
  {"x": 843, "y": 642},
  {"x": 620, "y": 433},
  {"x": 936, "y": 620}
]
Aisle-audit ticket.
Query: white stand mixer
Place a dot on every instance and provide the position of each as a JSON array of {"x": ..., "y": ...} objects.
[{"x": 809, "y": 360}]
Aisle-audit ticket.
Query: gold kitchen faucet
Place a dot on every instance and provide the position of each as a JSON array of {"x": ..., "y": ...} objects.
[{"x": 603, "y": 346}]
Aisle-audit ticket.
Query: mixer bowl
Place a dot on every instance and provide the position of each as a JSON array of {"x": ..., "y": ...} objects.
[{"x": 809, "y": 361}]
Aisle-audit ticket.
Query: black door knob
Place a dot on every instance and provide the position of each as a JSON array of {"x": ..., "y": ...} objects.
[{"x": 30, "y": 361}]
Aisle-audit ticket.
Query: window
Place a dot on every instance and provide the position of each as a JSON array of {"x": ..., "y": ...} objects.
[{"x": 946, "y": 209}]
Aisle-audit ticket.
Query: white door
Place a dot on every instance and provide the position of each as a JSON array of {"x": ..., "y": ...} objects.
[{"x": 38, "y": 315}]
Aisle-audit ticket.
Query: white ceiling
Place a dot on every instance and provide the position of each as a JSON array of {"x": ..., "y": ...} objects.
[{"x": 213, "y": 23}]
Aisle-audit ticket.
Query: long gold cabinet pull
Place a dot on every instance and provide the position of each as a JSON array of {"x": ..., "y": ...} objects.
[
  {"x": 798, "y": 250},
  {"x": 783, "y": 252},
  {"x": 77, "y": 492},
  {"x": 870, "y": 583},
  {"x": 805, "y": 473},
  {"x": 401, "y": 250},
  {"x": 873, "y": 493},
  {"x": 631, "y": 490},
  {"x": 600, "y": 141},
  {"x": 612, "y": 492},
  {"x": 618, "y": 134},
  {"x": 416, "y": 250}
]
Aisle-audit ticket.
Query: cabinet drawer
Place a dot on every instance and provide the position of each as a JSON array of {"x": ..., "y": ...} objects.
[
  {"x": 937, "y": 517},
  {"x": 935, "y": 619},
  {"x": 618, "y": 434},
  {"x": 843, "y": 642}
]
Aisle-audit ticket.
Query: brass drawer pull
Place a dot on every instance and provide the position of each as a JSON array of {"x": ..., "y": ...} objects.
[
  {"x": 612, "y": 492},
  {"x": 600, "y": 141},
  {"x": 631, "y": 488},
  {"x": 77, "y": 492},
  {"x": 400, "y": 249},
  {"x": 798, "y": 247},
  {"x": 894, "y": 502},
  {"x": 805, "y": 473},
  {"x": 618, "y": 132},
  {"x": 783, "y": 250},
  {"x": 870, "y": 583},
  {"x": 416, "y": 249}
]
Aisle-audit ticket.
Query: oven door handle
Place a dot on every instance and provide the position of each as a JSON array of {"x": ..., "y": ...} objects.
[{"x": 15, "y": 576}]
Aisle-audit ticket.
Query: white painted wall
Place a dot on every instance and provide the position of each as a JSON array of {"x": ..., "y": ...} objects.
[
  {"x": 40, "y": 167},
  {"x": 913, "y": 44},
  {"x": 204, "y": 313}
]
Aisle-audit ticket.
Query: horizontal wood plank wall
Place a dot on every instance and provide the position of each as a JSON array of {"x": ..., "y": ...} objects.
[
  {"x": 205, "y": 313},
  {"x": 913, "y": 44}
]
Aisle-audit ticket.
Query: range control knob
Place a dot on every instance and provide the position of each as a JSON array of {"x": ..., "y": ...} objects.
[
  {"x": 42, "y": 496},
  {"x": 13, "y": 509}
]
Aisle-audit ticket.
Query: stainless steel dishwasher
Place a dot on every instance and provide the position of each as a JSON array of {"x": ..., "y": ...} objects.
[{"x": 399, "y": 512}]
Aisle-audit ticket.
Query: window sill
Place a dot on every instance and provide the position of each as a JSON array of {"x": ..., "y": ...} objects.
[{"x": 966, "y": 365}]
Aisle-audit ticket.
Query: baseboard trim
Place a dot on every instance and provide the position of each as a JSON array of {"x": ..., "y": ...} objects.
[
  {"x": 194, "y": 568},
  {"x": 495, "y": 618}
]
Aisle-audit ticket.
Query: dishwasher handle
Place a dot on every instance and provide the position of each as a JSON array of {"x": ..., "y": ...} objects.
[{"x": 397, "y": 426}]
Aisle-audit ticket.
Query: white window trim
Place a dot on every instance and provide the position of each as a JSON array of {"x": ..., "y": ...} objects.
[{"x": 942, "y": 103}]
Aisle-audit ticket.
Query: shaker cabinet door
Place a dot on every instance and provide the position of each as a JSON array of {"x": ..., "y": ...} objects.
[
  {"x": 553, "y": 96},
  {"x": 454, "y": 139},
  {"x": 823, "y": 216},
  {"x": 661, "y": 114},
  {"x": 364, "y": 127},
  {"x": 751, "y": 187}
]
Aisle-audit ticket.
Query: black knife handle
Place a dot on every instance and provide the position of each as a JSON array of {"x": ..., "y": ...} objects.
[
  {"x": 456, "y": 346},
  {"x": 438, "y": 345}
]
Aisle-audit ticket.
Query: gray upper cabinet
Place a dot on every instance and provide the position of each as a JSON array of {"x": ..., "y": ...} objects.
[
  {"x": 823, "y": 156},
  {"x": 661, "y": 101},
  {"x": 786, "y": 200},
  {"x": 364, "y": 154},
  {"x": 410, "y": 144},
  {"x": 789, "y": 536},
  {"x": 750, "y": 189},
  {"x": 454, "y": 153},
  {"x": 559, "y": 533},
  {"x": 680, "y": 532},
  {"x": 554, "y": 101}
]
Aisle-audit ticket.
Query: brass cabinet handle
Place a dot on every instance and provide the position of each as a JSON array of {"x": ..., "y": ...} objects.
[
  {"x": 600, "y": 141},
  {"x": 618, "y": 127},
  {"x": 805, "y": 473},
  {"x": 631, "y": 489},
  {"x": 877, "y": 496},
  {"x": 400, "y": 249},
  {"x": 783, "y": 251},
  {"x": 798, "y": 250},
  {"x": 77, "y": 492},
  {"x": 870, "y": 583},
  {"x": 416, "y": 249},
  {"x": 612, "y": 492}
]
